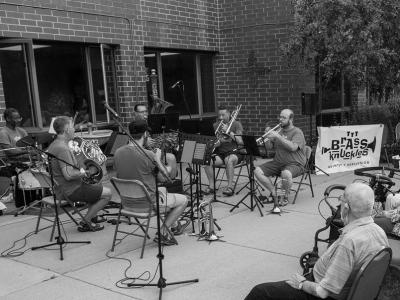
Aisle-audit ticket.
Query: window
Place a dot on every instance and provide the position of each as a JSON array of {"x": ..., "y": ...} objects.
[
  {"x": 46, "y": 79},
  {"x": 194, "y": 72}
]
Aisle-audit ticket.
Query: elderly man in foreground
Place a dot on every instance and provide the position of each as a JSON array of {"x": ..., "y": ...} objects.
[{"x": 335, "y": 270}]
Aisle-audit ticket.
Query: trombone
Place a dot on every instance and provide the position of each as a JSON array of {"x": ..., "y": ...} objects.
[
  {"x": 264, "y": 138},
  {"x": 219, "y": 133}
]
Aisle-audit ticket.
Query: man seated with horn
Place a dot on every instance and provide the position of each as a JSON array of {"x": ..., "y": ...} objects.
[
  {"x": 289, "y": 160},
  {"x": 70, "y": 179},
  {"x": 132, "y": 163},
  {"x": 334, "y": 272},
  {"x": 225, "y": 149}
]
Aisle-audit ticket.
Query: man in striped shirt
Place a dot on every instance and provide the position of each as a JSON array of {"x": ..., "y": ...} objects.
[{"x": 335, "y": 270}]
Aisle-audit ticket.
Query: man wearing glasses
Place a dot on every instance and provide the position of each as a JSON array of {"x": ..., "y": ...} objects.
[
  {"x": 289, "y": 160},
  {"x": 335, "y": 271}
]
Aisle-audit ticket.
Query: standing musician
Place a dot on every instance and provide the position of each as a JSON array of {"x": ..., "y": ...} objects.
[
  {"x": 141, "y": 113},
  {"x": 226, "y": 150},
  {"x": 70, "y": 179},
  {"x": 131, "y": 163},
  {"x": 289, "y": 160}
]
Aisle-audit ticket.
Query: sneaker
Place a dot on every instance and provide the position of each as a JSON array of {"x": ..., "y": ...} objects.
[
  {"x": 84, "y": 227},
  {"x": 276, "y": 210},
  {"x": 178, "y": 229},
  {"x": 166, "y": 241},
  {"x": 266, "y": 200},
  {"x": 228, "y": 192}
]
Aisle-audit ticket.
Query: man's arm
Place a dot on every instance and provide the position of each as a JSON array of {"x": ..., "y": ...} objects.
[
  {"x": 300, "y": 283},
  {"x": 69, "y": 172}
]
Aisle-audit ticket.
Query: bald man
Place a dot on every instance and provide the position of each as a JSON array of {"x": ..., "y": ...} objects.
[
  {"x": 289, "y": 160},
  {"x": 335, "y": 270}
]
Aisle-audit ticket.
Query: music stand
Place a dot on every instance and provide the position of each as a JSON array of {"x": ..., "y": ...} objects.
[
  {"x": 250, "y": 144},
  {"x": 190, "y": 126},
  {"x": 160, "y": 123}
]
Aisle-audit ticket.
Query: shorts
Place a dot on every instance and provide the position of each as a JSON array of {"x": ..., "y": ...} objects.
[
  {"x": 88, "y": 193},
  {"x": 273, "y": 168},
  {"x": 224, "y": 155},
  {"x": 170, "y": 200}
]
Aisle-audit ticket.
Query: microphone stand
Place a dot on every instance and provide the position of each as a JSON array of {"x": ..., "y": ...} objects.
[
  {"x": 59, "y": 239},
  {"x": 161, "y": 280}
]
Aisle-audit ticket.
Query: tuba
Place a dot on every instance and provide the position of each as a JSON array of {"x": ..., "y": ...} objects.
[
  {"x": 159, "y": 105},
  {"x": 90, "y": 157}
]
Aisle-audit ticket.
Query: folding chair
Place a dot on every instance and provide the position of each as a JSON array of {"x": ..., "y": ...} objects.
[
  {"x": 240, "y": 166},
  {"x": 62, "y": 201},
  {"x": 136, "y": 203},
  {"x": 369, "y": 279},
  {"x": 307, "y": 173}
]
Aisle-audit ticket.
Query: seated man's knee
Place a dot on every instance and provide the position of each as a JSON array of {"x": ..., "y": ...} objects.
[
  {"x": 258, "y": 172},
  {"x": 107, "y": 193},
  {"x": 286, "y": 174}
]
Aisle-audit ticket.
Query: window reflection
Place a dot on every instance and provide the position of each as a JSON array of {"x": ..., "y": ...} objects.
[
  {"x": 14, "y": 79},
  {"x": 62, "y": 84}
]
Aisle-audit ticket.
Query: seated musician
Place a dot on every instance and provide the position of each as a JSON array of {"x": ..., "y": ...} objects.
[
  {"x": 289, "y": 159},
  {"x": 70, "y": 179},
  {"x": 131, "y": 163},
  {"x": 11, "y": 134},
  {"x": 141, "y": 113},
  {"x": 226, "y": 150},
  {"x": 16, "y": 157},
  {"x": 335, "y": 271}
]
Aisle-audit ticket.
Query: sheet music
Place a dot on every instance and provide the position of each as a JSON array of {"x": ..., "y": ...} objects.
[
  {"x": 199, "y": 151},
  {"x": 188, "y": 151}
]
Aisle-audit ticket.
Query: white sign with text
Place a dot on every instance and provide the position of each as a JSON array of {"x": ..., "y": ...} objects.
[{"x": 345, "y": 148}]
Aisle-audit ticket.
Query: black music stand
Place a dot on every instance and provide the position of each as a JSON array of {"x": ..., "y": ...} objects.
[
  {"x": 161, "y": 123},
  {"x": 250, "y": 144}
]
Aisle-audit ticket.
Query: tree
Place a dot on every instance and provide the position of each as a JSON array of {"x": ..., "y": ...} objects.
[{"x": 359, "y": 39}]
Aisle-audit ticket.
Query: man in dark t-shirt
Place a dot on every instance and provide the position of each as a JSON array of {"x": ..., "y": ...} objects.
[
  {"x": 289, "y": 160},
  {"x": 226, "y": 150},
  {"x": 69, "y": 178},
  {"x": 133, "y": 161}
]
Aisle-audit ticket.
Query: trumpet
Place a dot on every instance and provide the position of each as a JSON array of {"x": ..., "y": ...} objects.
[{"x": 264, "y": 138}]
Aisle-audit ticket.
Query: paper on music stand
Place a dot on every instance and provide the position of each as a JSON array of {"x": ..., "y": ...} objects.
[
  {"x": 199, "y": 151},
  {"x": 188, "y": 151}
]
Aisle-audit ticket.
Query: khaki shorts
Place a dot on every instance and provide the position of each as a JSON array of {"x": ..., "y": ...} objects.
[
  {"x": 170, "y": 200},
  {"x": 273, "y": 168}
]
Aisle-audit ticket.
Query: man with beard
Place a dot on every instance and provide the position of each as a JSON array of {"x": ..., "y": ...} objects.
[{"x": 289, "y": 159}]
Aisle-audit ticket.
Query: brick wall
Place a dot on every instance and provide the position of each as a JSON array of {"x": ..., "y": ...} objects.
[
  {"x": 251, "y": 69},
  {"x": 246, "y": 34}
]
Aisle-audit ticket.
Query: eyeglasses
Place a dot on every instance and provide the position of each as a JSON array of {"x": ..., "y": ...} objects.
[{"x": 142, "y": 112}]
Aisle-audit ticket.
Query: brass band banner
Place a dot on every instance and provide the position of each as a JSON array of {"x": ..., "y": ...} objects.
[{"x": 345, "y": 148}]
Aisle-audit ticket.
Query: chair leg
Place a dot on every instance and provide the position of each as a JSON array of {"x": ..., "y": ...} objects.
[
  {"x": 222, "y": 178},
  {"x": 237, "y": 177},
  {"x": 141, "y": 227},
  {"x": 145, "y": 235},
  {"x": 115, "y": 232},
  {"x": 311, "y": 186},
  {"x": 298, "y": 188}
]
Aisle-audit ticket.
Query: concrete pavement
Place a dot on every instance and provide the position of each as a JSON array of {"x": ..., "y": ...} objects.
[{"x": 254, "y": 249}]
